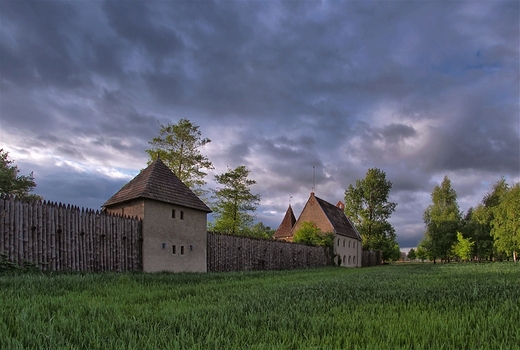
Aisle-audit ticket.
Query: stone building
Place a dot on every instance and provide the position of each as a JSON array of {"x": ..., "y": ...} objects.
[
  {"x": 328, "y": 218},
  {"x": 174, "y": 219}
]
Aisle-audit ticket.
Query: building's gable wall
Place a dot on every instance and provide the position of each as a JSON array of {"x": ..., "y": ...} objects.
[
  {"x": 312, "y": 212},
  {"x": 348, "y": 250},
  {"x": 176, "y": 244}
]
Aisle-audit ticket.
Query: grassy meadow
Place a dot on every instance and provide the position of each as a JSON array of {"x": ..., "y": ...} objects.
[{"x": 405, "y": 306}]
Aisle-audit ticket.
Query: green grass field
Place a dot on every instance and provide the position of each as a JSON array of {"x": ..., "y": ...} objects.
[{"x": 406, "y": 306}]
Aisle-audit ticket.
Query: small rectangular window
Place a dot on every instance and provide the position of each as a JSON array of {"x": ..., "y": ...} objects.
[
  {"x": 173, "y": 213},
  {"x": 182, "y": 215},
  {"x": 173, "y": 249},
  {"x": 182, "y": 250}
]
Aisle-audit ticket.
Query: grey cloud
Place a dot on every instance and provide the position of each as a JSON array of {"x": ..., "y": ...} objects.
[
  {"x": 288, "y": 157},
  {"x": 302, "y": 82},
  {"x": 482, "y": 138},
  {"x": 394, "y": 133},
  {"x": 135, "y": 22},
  {"x": 39, "y": 50}
]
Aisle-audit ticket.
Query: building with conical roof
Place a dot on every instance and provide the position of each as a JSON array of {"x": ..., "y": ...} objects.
[
  {"x": 329, "y": 218},
  {"x": 284, "y": 230},
  {"x": 174, "y": 228}
]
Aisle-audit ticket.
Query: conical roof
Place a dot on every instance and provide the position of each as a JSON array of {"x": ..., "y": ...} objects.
[
  {"x": 284, "y": 230},
  {"x": 159, "y": 183}
]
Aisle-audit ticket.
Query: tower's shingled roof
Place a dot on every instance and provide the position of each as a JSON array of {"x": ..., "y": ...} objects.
[
  {"x": 338, "y": 219},
  {"x": 158, "y": 182},
  {"x": 284, "y": 230}
]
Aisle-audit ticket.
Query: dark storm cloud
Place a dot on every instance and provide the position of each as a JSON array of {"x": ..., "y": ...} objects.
[
  {"x": 288, "y": 158},
  {"x": 417, "y": 89},
  {"x": 134, "y": 22},
  {"x": 34, "y": 50}
]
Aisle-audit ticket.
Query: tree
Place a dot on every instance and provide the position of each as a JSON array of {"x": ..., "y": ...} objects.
[
  {"x": 442, "y": 219},
  {"x": 411, "y": 254},
  {"x": 477, "y": 226},
  {"x": 421, "y": 253},
  {"x": 495, "y": 197},
  {"x": 308, "y": 233},
  {"x": 178, "y": 146},
  {"x": 463, "y": 248},
  {"x": 368, "y": 208},
  {"x": 234, "y": 202},
  {"x": 506, "y": 222},
  {"x": 261, "y": 231},
  {"x": 394, "y": 254},
  {"x": 13, "y": 184},
  {"x": 477, "y": 223}
]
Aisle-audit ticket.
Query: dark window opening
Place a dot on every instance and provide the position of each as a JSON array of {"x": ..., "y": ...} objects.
[
  {"x": 173, "y": 249},
  {"x": 173, "y": 213},
  {"x": 182, "y": 215},
  {"x": 182, "y": 250}
]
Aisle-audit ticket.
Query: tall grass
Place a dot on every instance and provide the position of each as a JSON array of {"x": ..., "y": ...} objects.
[{"x": 422, "y": 306}]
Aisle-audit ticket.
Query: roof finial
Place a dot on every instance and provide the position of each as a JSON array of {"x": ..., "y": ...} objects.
[{"x": 313, "y": 178}]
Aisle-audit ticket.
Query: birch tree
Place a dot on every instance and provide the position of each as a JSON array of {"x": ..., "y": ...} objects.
[
  {"x": 463, "y": 248},
  {"x": 506, "y": 223},
  {"x": 442, "y": 219}
]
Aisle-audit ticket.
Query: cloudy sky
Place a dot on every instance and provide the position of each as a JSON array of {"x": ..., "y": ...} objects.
[{"x": 418, "y": 89}]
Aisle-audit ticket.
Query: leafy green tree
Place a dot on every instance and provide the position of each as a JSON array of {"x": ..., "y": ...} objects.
[
  {"x": 261, "y": 231},
  {"x": 506, "y": 222},
  {"x": 234, "y": 202},
  {"x": 421, "y": 253},
  {"x": 477, "y": 223},
  {"x": 367, "y": 206},
  {"x": 13, "y": 184},
  {"x": 308, "y": 233},
  {"x": 442, "y": 219},
  {"x": 411, "y": 254},
  {"x": 463, "y": 248},
  {"x": 178, "y": 146},
  {"x": 495, "y": 197},
  {"x": 395, "y": 253}
]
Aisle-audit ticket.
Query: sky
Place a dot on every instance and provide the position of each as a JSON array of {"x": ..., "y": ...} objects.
[{"x": 417, "y": 89}]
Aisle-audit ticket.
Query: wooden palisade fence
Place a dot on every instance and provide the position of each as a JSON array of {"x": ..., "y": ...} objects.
[
  {"x": 238, "y": 253},
  {"x": 58, "y": 237},
  {"x": 66, "y": 238}
]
